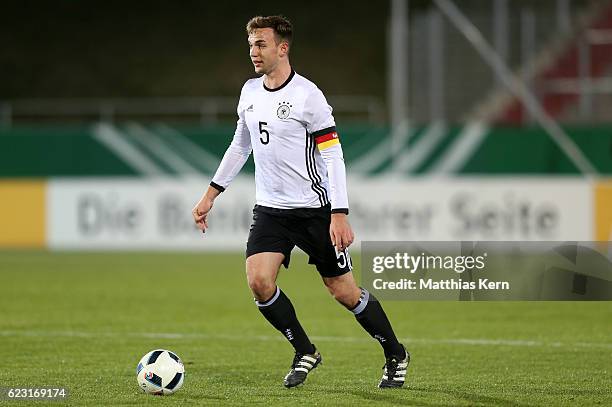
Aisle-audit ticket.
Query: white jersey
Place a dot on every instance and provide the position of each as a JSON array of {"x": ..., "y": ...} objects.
[{"x": 292, "y": 133}]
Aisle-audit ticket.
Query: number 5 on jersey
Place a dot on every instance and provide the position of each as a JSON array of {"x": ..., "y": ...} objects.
[
  {"x": 344, "y": 260},
  {"x": 264, "y": 131}
]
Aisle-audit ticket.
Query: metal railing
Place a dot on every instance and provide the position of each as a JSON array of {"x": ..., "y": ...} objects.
[
  {"x": 205, "y": 110},
  {"x": 585, "y": 86}
]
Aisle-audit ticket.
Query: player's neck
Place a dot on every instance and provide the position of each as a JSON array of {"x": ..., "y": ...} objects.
[{"x": 278, "y": 76}]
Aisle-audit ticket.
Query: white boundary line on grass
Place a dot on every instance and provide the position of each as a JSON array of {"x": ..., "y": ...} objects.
[{"x": 266, "y": 338}]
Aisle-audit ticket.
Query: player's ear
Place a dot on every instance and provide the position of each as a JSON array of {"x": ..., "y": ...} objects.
[{"x": 284, "y": 47}]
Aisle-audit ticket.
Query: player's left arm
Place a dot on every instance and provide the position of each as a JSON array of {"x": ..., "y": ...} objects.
[
  {"x": 340, "y": 229},
  {"x": 319, "y": 118}
]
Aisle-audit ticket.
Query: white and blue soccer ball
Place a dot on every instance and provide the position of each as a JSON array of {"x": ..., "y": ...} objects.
[{"x": 160, "y": 372}]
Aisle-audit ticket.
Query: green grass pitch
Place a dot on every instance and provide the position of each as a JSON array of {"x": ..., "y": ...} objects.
[{"x": 83, "y": 321}]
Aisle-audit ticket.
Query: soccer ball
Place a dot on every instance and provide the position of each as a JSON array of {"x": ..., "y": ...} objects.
[{"x": 160, "y": 372}]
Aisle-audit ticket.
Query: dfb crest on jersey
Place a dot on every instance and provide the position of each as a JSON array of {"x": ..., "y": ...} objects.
[{"x": 284, "y": 110}]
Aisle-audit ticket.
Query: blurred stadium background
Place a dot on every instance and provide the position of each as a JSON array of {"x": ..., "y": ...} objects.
[
  {"x": 102, "y": 99},
  {"x": 464, "y": 120}
]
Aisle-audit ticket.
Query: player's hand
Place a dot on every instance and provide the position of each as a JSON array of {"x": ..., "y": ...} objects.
[
  {"x": 203, "y": 207},
  {"x": 200, "y": 212},
  {"x": 340, "y": 231}
]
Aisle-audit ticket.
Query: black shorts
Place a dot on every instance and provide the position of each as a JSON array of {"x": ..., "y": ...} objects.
[{"x": 280, "y": 230}]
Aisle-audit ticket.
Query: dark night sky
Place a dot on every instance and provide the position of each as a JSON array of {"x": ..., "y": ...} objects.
[{"x": 66, "y": 48}]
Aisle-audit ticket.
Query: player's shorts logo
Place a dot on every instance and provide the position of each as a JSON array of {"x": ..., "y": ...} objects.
[{"x": 284, "y": 110}]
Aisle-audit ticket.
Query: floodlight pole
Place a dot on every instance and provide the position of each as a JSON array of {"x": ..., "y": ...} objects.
[{"x": 397, "y": 77}]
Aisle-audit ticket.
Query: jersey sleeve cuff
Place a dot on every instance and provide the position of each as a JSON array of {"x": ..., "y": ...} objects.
[
  {"x": 340, "y": 210},
  {"x": 217, "y": 186}
]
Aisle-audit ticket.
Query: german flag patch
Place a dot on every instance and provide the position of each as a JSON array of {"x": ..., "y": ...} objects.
[{"x": 327, "y": 140}]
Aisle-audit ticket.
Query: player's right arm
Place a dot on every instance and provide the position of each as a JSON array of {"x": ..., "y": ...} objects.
[{"x": 233, "y": 160}]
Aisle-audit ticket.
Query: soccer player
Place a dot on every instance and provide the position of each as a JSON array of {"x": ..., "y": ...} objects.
[{"x": 284, "y": 119}]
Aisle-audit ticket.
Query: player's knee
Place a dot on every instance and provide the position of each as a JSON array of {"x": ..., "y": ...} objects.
[
  {"x": 261, "y": 285},
  {"x": 345, "y": 295}
]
